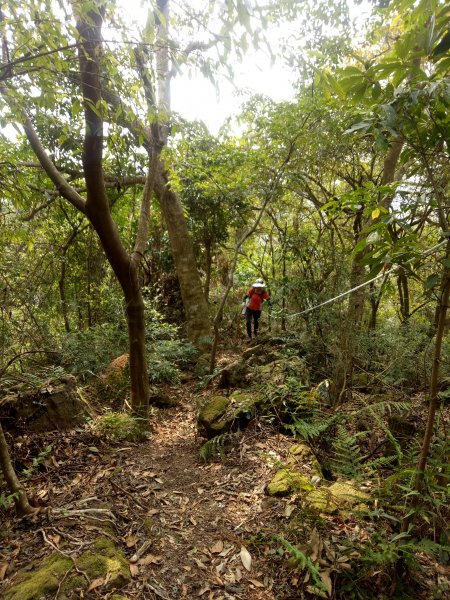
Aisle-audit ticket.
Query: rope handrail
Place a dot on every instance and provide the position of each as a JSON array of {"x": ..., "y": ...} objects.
[{"x": 358, "y": 287}]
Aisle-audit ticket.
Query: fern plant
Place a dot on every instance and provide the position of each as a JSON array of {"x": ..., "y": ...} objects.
[
  {"x": 213, "y": 447},
  {"x": 305, "y": 562},
  {"x": 314, "y": 427},
  {"x": 348, "y": 458}
]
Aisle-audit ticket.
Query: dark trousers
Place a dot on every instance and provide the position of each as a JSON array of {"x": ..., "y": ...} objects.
[{"x": 249, "y": 315}]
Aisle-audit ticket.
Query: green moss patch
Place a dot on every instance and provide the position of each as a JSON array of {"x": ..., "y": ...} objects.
[
  {"x": 338, "y": 497},
  {"x": 221, "y": 414},
  {"x": 104, "y": 561},
  {"x": 45, "y": 580},
  {"x": 287, "y": 481}
]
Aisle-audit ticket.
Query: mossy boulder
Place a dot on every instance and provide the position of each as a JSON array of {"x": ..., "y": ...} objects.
[
  {"x": 57, "y": 405},
  {"x": 280, "y": 370},
  {"x": 287, "y": 481},
  {"x": 45, "y": 580},
  {"x": 202, "y": 365},
  {"x": 56, "y": 570},
  {"x": 234, "y": 375},
  {"x": 340, "y": 496},
  {"x": 221, "y": 414},
  {"x": 301, "y": 456}
]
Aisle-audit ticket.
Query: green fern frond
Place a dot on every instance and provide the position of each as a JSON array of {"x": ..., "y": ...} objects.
[
  {"x": 382, "y": 462},
  {"x": 214, "y": 446},
  {"x": 304, "y": 562},
  {"x": 388, "y": 432},
  {"x": 384, "y": 407},
  {"x": 347, "y": 453},
  {"x": 309, "y": 430}
]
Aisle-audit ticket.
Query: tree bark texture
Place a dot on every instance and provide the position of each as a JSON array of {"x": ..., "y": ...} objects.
[
  {"x": 97, "y": 209},
  {"x": 192, "y": 294},
  {"x": 23, "y": 507}
]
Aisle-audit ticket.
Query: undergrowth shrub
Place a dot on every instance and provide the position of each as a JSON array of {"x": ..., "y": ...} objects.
[
  {"x": 86, "y": 353},
  {"x": 397, "y": 355},
  {"x": 120, "y": 426}
]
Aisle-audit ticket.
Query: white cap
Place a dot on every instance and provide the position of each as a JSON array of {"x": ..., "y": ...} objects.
[{"x": 259, "y": 283}]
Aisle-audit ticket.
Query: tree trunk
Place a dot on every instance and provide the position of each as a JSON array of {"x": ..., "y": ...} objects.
[
  {"x": 355, "y": 311},
  {"x": 23, "y": 507},
  {"x": 98, "y": 212},
  {"x": 208, "y": 265},
  {"x": 194, "y": 302},
  {"x": 403, "y": 294},
  {"x": 62, "y": 294},
  {"x": 434, "y": 389}
]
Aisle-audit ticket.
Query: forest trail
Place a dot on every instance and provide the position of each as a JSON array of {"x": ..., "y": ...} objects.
[
  {"x": 201, "y": 514},
  {"x": 189, "y": 529}
]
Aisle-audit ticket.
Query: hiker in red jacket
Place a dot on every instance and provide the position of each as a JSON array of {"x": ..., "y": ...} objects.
[{"x": 254, "y": 298}]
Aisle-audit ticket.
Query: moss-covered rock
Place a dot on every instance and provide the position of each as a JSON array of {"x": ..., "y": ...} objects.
[
  {"x": 301, "y": 454},
  {"x": 37, "y": 584},
  {"x": 105, "y": 560},
  {"x": 347, "y": 494},
  {"x": 287, "y": 481},
  {"x": 202, "y": 365},
  {"x": 234, "y": 375},
  {"x": 340, "y": 496},
  {"x": 221, "y": 414}
]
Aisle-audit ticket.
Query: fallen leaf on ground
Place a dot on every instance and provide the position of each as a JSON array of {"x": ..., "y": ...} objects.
[
  {"x": 256, "y": 583},
  {"x": 246, "y": 558},
  {"x": 3, "y": 568},
  {"x": 217, "y": 547},
  {"x": 131, "y": 540},
  {"x": 289, "y": 510},
  {"x": 150, "y": 559},
  {"x": 204, "y": 590},
  {"x": 96, "y": 583},
  {"x": 134, "y": 570},
  {"x": 55, "y": 539},
  {"x": 326, "y": 580}
]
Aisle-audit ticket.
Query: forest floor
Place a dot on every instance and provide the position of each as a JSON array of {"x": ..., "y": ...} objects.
[{"x": 189, "y": 529}]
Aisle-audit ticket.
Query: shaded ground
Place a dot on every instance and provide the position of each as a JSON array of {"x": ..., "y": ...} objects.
[
  {"x": 188, "y": 529},
  {"x": 184, "y": 525}
]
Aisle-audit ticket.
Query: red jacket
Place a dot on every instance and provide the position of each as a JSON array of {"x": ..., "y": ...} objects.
[{"x": 256, "y": 299}]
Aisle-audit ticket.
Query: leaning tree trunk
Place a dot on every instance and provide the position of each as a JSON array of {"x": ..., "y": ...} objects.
[
  {"x": 23, "y": 507},
  {"x": 208, "y": 268},
  {"x": 355, "y": 311}
]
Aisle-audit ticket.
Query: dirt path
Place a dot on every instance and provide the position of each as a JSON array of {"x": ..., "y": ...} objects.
[
  {"x": 189, "y": 529},
  {"x": 203, "y": 516}
]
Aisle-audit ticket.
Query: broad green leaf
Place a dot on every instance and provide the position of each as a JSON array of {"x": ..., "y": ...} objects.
[{"x": 431, "y": 281}]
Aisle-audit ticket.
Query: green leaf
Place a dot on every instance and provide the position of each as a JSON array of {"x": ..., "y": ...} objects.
[{"x": 431, "y": 281}]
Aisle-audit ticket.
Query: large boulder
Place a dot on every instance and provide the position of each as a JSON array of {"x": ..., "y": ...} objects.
[
  {"x": 58, "y": 405},
  {"x": 298, "y": 473},
  {"x": 221, "y": 414},
  {"x": 287, "y": 481},
  {"x": 234, "y": 375}
]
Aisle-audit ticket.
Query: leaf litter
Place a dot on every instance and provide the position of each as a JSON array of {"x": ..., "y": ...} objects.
[{"x": 188, "y": 529}]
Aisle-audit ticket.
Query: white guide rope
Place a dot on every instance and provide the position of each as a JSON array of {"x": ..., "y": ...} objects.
[{"x": 385, "y": 274}]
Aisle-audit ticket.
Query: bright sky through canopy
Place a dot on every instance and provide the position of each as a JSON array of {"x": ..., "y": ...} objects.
[{"x": 195, "y": 98}]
